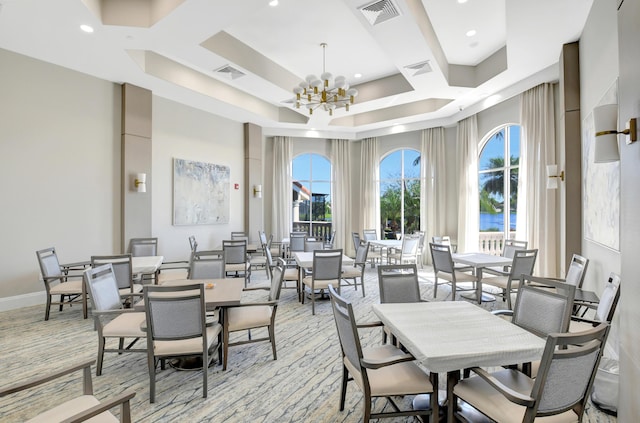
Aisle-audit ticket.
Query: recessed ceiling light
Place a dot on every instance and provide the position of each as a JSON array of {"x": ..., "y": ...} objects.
[
  {"x": 273, "y": 3},
  {"x": 357, "y": 75},
  {"x": 86, "y": 28},
  {"x": 471, "y": 33}
]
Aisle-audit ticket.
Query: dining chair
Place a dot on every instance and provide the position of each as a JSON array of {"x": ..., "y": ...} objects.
[
  {"x": 207, "y": 265},
  {"x": 57, "y": 282},
  {"x": 522, "y": 264},
  {"x": 328, "y": 244},
  {"x": 123, "y": 270},
  {"x": 239, "y": 236},
  {"x": 375, "y": 253},
  {"x": 560, "y": 391},
  {"x": 296, "y": 244},
  {"x": 604, "y": 309},
  {"x": 111, "y": 319},
  {"x": 255, "y": 315},
  {"x": 236, "y": 259},
  {"x": 444, "y": 240},
  {"x": 509, "y": 248},
  {"x": 139, "y": 247},
  {"x": 408, "y": 253},
  {"x": 176, "y": 327},
  {"x": 357, "y": 269},
  {"x": 577, "y": 270},
  {"x": 326, "y": 270},
  {"x": 312, "y": 244},
  {"x": 193, "y": 244},
  {"x": 443, "y": 268},
  {"x": 78, "y": 408},
  {"x": 355, "y": 238},
  {"x": 379, "y": 371}
]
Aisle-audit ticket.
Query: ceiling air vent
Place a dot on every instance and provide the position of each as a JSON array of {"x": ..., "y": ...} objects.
[
  {"x": 379, "y": 11},
  {"x": 229, "y": 72},
  {"x": 419, "y": 68}
]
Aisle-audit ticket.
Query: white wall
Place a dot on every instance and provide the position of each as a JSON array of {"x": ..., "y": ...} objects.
[
  {"x": 186, "y": 133},
  {"x": 60, "y": 167}
]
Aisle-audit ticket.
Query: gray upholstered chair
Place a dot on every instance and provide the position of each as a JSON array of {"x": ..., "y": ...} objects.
[
  {"x": 255, "y": 315},
  {"x": 408, "y": 253},
  {"x": 509, "y": 249},
  {"x": 604, "y": 309},
  {"x": 57, "y": 281},
  {"x": 522, "y": 264},
  {"x": 193, "y": 244},
  {"x": 111, "y": 319},
  {"x": 176, "y": 327},
  {"x": 561, "y": 389},
  {"x": 355, "y": 238},
  {"x": 139, "y": 247},
  {"x": 312, "y": 244},
  {"x": 207, "y": 265},
  {"x": 380, "y": 371},
  {"x": 327, "y": 270},
  {"x": 443, "y": 268},
  {"x": 375, "y": 253},
  {"x": 236, "y": 259},
  {"x": 328, "y": 244},
  {"x": 577, "y": 270},
  {"x": 78, "y": 408},
  {"x": 356, "y": 271},
  {"x": 123, "y": 270}
]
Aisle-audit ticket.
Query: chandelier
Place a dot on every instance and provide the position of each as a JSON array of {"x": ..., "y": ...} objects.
[{"x": 325, "y": 92}]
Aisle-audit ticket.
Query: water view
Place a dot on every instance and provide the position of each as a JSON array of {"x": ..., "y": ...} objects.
[{"x": 495, "y": 222}]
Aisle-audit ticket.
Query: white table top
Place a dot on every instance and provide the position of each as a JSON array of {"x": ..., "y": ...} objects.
[
  {"x": 146, "y": 264},
  {"x": 387, "y": 243},
  {"x": 481, "y": 259},
  {"x": 452, "y": 335},
  {"x": 305, "y": 259}
]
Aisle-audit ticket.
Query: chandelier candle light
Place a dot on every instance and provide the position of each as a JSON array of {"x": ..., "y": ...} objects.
[{"x": 334, "y": 95}]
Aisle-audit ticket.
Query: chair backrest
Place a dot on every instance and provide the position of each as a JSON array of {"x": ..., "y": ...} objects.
[
  {"x": 523, "y": 263},
  {"x": 174, "y": 312},
  {"x": 263, "y": 238},
  {"x": 122, "y": 268},
  {"x": 398, "y": 283},
  {"x": 441, "y": 258},
  {"x": 609, "y": 299},
  {"x": 355, "y": 237},
  {"x": 327, "y": 264},
  {"x": 312, "y": 244},
  {"x": 207, "y": 265},
  {"x": 238, "y": 235},
  {"x": 539, "y": 309},
  {"x": 410, "y": 245},
  {"x": 567, "y": 371},
  {"x": 48, "y": 261},
  {"x": 577, "y": 270},
  {"x": 296, "y": 241},
  {"x": 511, "y": 246},
  {"x": 442, "y": 240},
  {"x": 193, "y": 244},
  {"x": 235, "y": 252},
  {"x": 276, "y": 279},
  {"x": 361, "y": 254},
  {"x": 347, "y": 331},
  {"x": 143, "y": 247},
  {"x": 369, "y": 234},
  {"x": 102, "y": 288}
]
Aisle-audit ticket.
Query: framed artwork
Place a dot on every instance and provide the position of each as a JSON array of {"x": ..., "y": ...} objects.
[
  {"x": 601, "y": 190},
  {"x": 200, "y": 193}
]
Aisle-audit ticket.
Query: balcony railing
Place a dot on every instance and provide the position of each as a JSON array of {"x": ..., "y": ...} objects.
[
  {"x": 319, "y": 230},
  {"x": 492, "y": 242}
]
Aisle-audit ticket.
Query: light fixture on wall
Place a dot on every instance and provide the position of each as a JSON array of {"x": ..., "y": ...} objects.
[
  {"x": 553, "y": 176},
  {"x": 140, "y": 182},
  {"x": 257, "y": 191},
  {"x": 325, "y": 92},
  {"x": 606, "y": 126}
]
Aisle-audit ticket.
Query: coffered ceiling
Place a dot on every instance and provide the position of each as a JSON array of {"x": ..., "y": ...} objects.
[{"x": 419, "y": 61}]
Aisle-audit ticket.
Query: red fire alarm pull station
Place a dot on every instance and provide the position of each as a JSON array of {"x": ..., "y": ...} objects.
[{"x": 236, "y": 186}]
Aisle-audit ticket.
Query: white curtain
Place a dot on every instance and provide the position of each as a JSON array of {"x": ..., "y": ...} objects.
[
  {"x": 341, "y": 195},
  {"x": 536, "y": 205},
  {"x": 282, "y": 199},
  {"x": 468, "y": 200},
  {"x": 433, "y": 188},
  {"x": 369, "y": 188}
]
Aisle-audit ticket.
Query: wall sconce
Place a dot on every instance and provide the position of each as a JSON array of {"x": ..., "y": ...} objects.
[
  {"x": 552, "y": 174},
  {"x": 140, "y": 182},
  {"x": 257, "y": 191},
  {"x": 606, "y": 125}
]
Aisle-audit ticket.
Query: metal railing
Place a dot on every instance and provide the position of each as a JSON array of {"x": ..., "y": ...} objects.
[{"x": 320, "y": 230}]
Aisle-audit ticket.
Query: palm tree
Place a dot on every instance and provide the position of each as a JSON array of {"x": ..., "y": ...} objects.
[{"x": 494, "y": 183}]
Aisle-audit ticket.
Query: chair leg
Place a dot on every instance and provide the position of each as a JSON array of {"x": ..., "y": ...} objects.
[
  {"x": 343, "y": 391},
  {"x": 151, "y": 361},
  {"x": 272, "y": 338},
  {"x": 100, "y": 360},
  {"x": 205, "y": 372},
  {"x": 225, "y": 344},
  {"x": 46, "y": 312},
  {"x": 120, "y": 345},
  {"x": 61, "y": 301},
  {"x": 435, "y": 287},
  {"x": 361, "y": 284}
]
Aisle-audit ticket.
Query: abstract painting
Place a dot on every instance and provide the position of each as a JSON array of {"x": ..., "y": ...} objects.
[{"x": 200, "y": 193}]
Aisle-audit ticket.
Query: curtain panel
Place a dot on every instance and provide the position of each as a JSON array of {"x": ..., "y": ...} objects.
[
  {"x": 468, "y": 196},
  {"x": 341, "y": 195},
  {"x": 282, "y": 180},
  {"x": 433, "y": 191},
  {"x": 369, "y": 184}
]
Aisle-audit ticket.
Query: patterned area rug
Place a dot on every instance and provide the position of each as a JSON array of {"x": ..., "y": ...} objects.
[{"x": 302, "y": 385}]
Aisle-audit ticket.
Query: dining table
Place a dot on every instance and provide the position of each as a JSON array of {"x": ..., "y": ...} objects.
[
  {"x": 448, "y": 336},
  {"x": 480, "y": 261}
]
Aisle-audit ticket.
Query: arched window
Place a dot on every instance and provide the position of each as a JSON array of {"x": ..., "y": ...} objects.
[
  {"x": 498, "y": 178},
  {"x": 400, "y": 193},
  {"x": 312, "y": 195}
]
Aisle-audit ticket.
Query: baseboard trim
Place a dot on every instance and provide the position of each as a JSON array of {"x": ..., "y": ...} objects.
[{"x": 24, "y": 300}]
